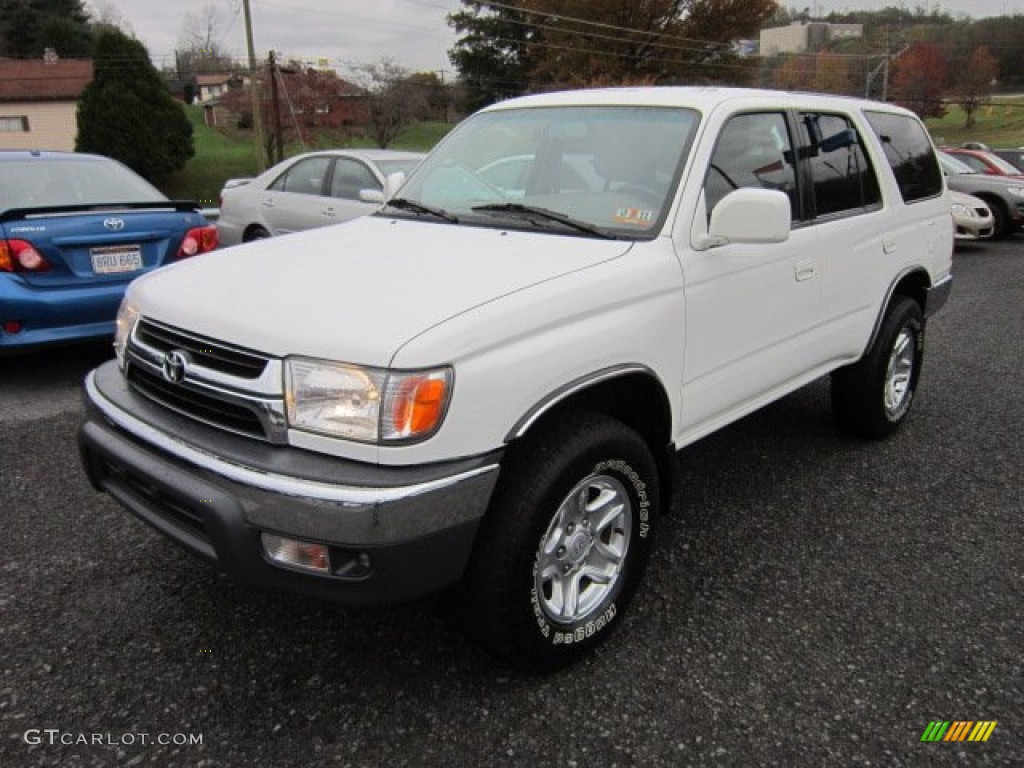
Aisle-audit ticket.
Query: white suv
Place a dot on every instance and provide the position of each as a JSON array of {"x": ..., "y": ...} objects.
[{"x": 487, "y": 382}]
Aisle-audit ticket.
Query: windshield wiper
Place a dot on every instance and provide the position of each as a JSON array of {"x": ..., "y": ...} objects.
[
  {"x": 405, "y": 204},
  {"x": 528, "y": 211}
]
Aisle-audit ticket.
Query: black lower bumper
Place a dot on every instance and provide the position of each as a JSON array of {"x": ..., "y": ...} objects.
[{"x": 387, "y": 542}]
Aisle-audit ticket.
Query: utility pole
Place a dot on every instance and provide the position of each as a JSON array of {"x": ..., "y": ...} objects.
[
  {"x": 275, "y": 104},
  {"x": 254, "y": 75}
]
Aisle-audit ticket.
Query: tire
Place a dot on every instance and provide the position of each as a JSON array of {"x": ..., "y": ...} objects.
[
  {"x": 550, "y": 577},
  {"x": 873, "y": 397},
  {"x": 255, "y": 233},
  {"x": 1001, "y": 225}
]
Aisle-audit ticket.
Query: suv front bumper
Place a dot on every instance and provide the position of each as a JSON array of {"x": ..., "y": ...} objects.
[{"x": 392, "y": 532}]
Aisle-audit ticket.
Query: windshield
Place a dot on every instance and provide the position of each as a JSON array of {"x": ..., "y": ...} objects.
[
  {"x": 610, "y": 169},
  {"x": 953, "y": 166},
  {"x": 1004, "y": 166},
  {"x": 387, "y": 167}
]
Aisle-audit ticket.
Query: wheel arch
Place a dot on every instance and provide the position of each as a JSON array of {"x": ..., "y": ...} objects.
[
  {"x": 913, "y": 283},
  {"x": 247, "y": 233},
  {"x": 632, "y": 394}
]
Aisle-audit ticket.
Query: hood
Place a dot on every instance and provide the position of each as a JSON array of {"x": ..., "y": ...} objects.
[{"x": 357, "y": 291}]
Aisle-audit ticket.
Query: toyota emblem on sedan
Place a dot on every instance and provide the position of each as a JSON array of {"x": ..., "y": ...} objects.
[
  {"x": 175, "y": 365},
  {"x": 114, "y": 225}
]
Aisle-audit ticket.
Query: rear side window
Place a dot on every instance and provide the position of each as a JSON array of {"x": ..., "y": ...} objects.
[
  {"x": 842, "y": 177},
  {"x": 909, "y": 152}
]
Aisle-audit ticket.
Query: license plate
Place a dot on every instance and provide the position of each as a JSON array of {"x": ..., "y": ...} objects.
[{"x": 113, "y": 259}]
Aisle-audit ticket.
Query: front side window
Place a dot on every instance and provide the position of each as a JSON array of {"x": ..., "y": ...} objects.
[
  {"x": 306, "y": 177},
  {"x": 612, "y": 169},
  {"x": 910, "y": 154},
  {"x": 753, "y": 150},
  {"x": 843, "y": 179},
  {"x": 350, "y": 178}
]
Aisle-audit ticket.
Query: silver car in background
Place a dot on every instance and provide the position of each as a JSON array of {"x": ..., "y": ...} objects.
[
  {"x": 310, "y": 190},
  {"x": 972, "y": 218}
]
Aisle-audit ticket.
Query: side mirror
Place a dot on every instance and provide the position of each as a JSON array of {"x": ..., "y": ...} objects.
[
  {"x": 748, "y": 215},
  {"x": 371, "y": 196},
  {"x": 392, "y": 184}
]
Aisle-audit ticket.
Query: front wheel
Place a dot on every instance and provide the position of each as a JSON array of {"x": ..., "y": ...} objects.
[
  {"x": 565, "y": 544},
  {"x": 872, "y": 397}
]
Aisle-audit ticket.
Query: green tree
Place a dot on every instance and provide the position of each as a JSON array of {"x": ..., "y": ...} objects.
[
  {"x": 127, "y": 112},
  {"x": 29, "y": 27},
  {"x": 492, "y": 56},
  {"x": 509, "y": 46}
]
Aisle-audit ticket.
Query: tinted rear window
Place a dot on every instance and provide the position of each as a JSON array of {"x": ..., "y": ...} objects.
[{"x": 909, "y": 152}]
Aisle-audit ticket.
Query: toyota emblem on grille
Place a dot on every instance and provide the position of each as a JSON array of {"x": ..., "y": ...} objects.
[
  {"x": 114, "y": 225},
  {"x": 175, "y": 365}
]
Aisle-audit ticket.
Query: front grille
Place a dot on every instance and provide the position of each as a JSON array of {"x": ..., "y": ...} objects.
[
  {"x": 196, "y": 404},
  {"x": 215, "y": 355}
]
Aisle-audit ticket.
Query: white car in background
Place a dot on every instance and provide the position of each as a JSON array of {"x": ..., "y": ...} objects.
[
  {"x": 972, "y": 218},
  {"x": 310, "y": 190}
]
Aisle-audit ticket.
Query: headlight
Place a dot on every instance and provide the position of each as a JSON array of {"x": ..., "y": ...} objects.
[
  {"x": 1016, "y": 191},
  {"x": 962, "y": 210},
  {"x": 127, "y": 317},
  {"x": 365, "y": 404}
]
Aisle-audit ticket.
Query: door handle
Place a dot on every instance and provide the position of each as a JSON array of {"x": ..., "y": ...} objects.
[{"x": 804, "y": 270}]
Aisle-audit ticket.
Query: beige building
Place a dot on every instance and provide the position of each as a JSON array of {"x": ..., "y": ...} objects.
[
  {"x": 804, "y": 36},
  {"x": 39, "y": 100}
]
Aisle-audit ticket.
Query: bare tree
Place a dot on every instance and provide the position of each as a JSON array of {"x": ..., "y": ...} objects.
[
  {"x": 974, "y": 80},
  {"x": 199, "y": 46},
  {"x": 394, "y": 99}
]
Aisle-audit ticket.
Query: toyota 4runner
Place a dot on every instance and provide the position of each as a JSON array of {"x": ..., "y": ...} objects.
[{"x": 485, "y": 383}]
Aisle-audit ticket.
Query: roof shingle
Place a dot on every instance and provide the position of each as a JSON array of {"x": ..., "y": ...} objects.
[{"x": 36, "y": 80}]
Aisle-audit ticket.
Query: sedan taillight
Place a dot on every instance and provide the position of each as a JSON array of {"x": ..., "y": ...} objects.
[
  {"x": 21, "y": 256},
  {"x": 198, "y": 240}
]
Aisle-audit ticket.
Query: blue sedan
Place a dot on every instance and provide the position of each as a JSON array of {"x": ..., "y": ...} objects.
[{"x": 75, "y": 229}]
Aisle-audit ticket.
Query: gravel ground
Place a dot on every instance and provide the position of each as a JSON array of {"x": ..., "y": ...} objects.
[{"x": 816, "y": 602}]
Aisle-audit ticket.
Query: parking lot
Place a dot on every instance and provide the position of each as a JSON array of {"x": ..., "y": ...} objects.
[{"x": 816, "y": 601}]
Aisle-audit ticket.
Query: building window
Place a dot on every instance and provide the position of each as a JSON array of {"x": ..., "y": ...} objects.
[{"x": 16, "y": 124}]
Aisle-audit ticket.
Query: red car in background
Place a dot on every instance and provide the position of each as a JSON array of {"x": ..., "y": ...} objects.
[{"x": 982, "y": 161}]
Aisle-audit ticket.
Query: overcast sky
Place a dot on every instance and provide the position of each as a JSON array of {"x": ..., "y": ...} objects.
[{"x": 412, "y": 32}]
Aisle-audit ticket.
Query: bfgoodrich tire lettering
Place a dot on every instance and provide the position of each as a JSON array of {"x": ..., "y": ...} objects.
[
  {"x": 873, "y": 397},
  {"x": 566, "y": 542}
]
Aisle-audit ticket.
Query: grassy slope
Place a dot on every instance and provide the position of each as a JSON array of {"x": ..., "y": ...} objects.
[
  {"x": 1001, "y": 125},
  {"x": 224, "y": 155}
]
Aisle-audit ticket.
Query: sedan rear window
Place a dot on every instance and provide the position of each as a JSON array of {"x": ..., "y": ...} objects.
[{"x": 42, "y": 183}]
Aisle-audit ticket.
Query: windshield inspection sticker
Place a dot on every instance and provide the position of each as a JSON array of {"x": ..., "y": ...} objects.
[{"x": 637, "y": 217}]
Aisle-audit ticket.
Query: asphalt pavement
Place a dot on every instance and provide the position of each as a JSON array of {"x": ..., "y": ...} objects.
[{"x": 817, "y": 601}]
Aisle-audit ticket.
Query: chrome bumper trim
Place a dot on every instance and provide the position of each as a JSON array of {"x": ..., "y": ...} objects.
[{"x": 274, "y": 483}]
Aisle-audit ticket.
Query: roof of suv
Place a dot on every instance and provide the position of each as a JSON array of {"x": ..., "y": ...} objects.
[{"x": 697, "y": 97}]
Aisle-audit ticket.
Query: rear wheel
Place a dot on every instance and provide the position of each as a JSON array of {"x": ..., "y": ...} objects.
[
  {"x": 565, "y": 544},
  {"x": 873, "y": 397}
]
